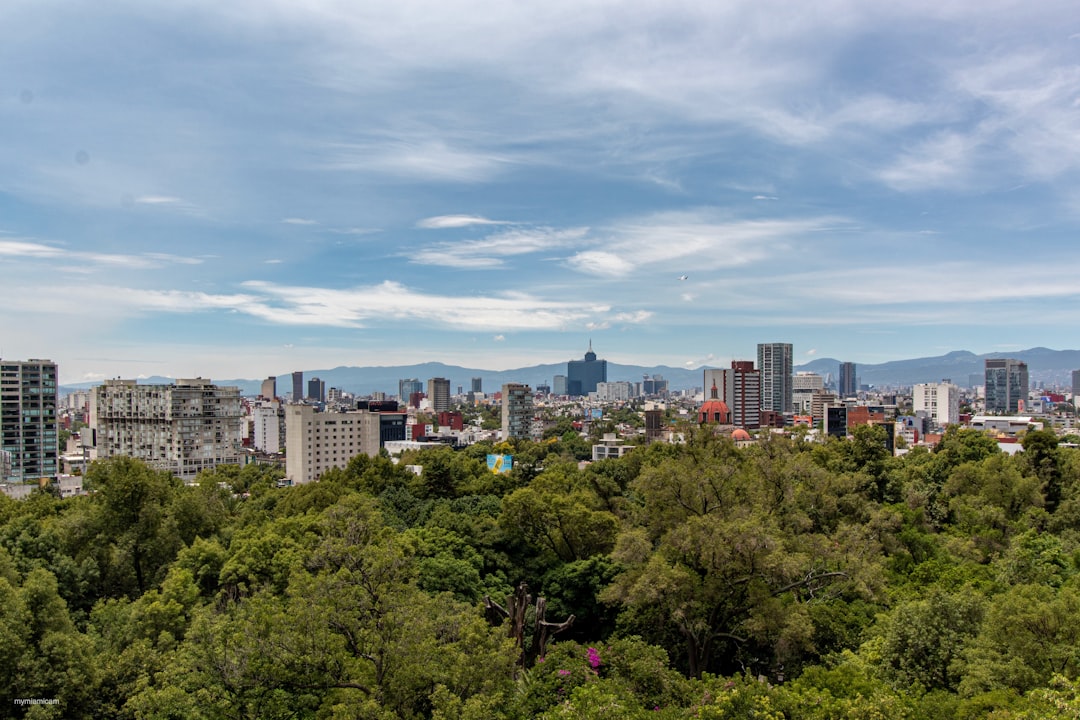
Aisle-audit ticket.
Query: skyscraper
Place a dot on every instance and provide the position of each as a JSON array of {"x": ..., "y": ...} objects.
[
  {"x": 298, "y": 386},
  {"x": 406, "y": 388},
  {"x": 316, "y": 390},
  {"x": 477, "y": 385},
  {"x": 439, "y": 394},
  {"x": 268, "y": 391},
  {"x": 583, "y": 375},
  {"x": 849, "y": 386},
  {"x": 517, "y": 411},
  {"x": 28, "y": 432},
  {"x": 740, "y": 389},
  {"x": 1006, "y": 384},
  {"x": 774, "y": 361}
]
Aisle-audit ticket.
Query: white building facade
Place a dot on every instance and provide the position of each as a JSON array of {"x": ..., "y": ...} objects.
[{"x": 941, "y": 401}]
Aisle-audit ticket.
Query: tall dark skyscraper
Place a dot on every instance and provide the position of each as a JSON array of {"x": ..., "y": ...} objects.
[
  {"x": 298, "y": 386},
  {"x": 1006, "y": 384},
  {"x": 316, "y": 390},
  {"x": 583, "y": 375},
  {"x": 477, "y": 385},
  {"x": 774, "y": 361},
  {"x": 849, "y": 385}
]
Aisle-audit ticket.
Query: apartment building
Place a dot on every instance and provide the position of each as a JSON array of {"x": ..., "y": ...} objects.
[{"x": 184, "y": 428}]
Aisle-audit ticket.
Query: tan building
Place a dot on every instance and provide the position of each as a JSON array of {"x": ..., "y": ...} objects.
[
  {"x": 189, "y": 426},
  {"x": 318, "y": 441}
]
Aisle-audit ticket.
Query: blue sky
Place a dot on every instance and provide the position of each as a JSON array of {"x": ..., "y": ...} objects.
[{"x": 246, "y": 188}]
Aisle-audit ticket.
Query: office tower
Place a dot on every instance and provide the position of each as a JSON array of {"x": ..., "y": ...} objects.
[
  {"x": 774, "y": 361},
  {"x": 740, "y": 390},
  {"x": 558, "y": 385},
  {"x": 439, "y": 394},
  {"x": 317, "y": 441},
  {"x": 849, "y": 386},
  {"x": 477, "y": 385},
  {"x": 1076, "y": 387},
  {"x": 583, "y": 375},
  {"x": 517, "y": 411},
  {"x": 298, "y": 386},
  {"x": 28, "y": 430},
  {"x": 655, "y": 385},
  {"x": 618, "y": 391},
  {"x": 316, "y": 390},
  {"x": 186, "y": 427},
  {"x": 1006, "y": 384},
  {"x": 940, "y": 401},
  {"x": 269, "y": 388},
  {"x": 406, "y": 388}
]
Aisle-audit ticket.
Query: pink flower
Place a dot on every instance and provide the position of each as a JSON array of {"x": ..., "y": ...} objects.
[
  {"x": 564, "y": 673},
  {"x": 594, "y": 657}
]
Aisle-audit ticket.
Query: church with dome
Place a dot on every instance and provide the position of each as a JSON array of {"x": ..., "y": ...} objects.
[{"x": 715, "y": 412}]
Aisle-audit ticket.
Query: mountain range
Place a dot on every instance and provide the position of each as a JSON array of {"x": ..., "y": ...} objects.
[{"x": 1051, "y": 367}]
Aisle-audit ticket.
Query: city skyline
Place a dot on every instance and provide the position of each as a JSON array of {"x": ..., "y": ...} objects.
[{"x": 234, "y": 191}]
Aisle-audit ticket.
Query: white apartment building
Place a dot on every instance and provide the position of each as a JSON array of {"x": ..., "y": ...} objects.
[
  {"x": 318, "y": 441},
  {"x": 268, "y": 421},
  {"x": 620, "y": 391},
  {"x": 184, "y": 428},
  {"x": 28, "y": 425},
  {"x": 941, "y": 401}
]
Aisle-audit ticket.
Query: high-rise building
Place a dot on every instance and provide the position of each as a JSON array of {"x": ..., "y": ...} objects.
[
  {"x": 439, "y": 394},
  {"x": 298, "y": 386},
  {"x": 740, "y": 389},
  {"x": 28, "y": 429},
  {"x": 558, "y": 385},
  {"x": 1076, "y": 387},
  {"x": 406, "y": 388},
  {"x": 268, "y": 391},
  {"x": 186, "y": 427},
  {"x": 803, "y": 387},
  {"x": 848, "y": 385},
  {"x": 1006, "y": 384},
  {"x": 477, "y": 385},
  {"x": 517, "y": 411},
  {"x": 268, "y": 419},
  {"x": 940, "y": 401},
  {"x": 583, "y": 375},
  {"x": 317, "y": 441},
  {"x": 316, "y": 390},
  {"x": 774, "y": 361}
]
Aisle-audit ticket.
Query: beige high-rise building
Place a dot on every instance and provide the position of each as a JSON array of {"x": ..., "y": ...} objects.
[
  {"x": 184, "y": 428},
  {"x": 439, "y": 394},
  {"x": 317, "y": 441},
  {"x": 941, "y": 401}
]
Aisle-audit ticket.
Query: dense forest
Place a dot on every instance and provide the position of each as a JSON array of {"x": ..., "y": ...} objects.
[{"x": 784, "y": 580}]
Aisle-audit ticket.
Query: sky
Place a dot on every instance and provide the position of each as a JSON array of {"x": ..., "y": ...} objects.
[{"x": 246, "y": 188}]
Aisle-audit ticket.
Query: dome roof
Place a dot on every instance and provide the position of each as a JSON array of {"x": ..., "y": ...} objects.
[
  {"x": 714, "y": 410},
  {"x": 740, "y": 434}
]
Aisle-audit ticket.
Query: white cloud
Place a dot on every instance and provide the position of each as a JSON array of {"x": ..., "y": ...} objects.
[
  {"x": 157, "y": 200},
  {"x": 489, "y": 251},
  {"x": 499, "y": 338},
  {"x": 440, "y": 222},
  {"x": 423, "y": 159},
  {"x": 636, "y": 317},
  {"x": 765, "y": 197},
  {"x": 299, "y": 221},
  {"x": 21, "y": 248},
  {"x": 273, "y": 261}
]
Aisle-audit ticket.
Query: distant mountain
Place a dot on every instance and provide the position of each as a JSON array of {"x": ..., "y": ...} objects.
[{"x": 1053, "y": 367}]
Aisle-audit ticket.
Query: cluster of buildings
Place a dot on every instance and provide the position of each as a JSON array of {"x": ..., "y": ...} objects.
[{"x": 192, "y": 425}]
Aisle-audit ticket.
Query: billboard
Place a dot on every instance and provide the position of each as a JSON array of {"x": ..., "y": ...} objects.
[{"x": 500, "y": 463}]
